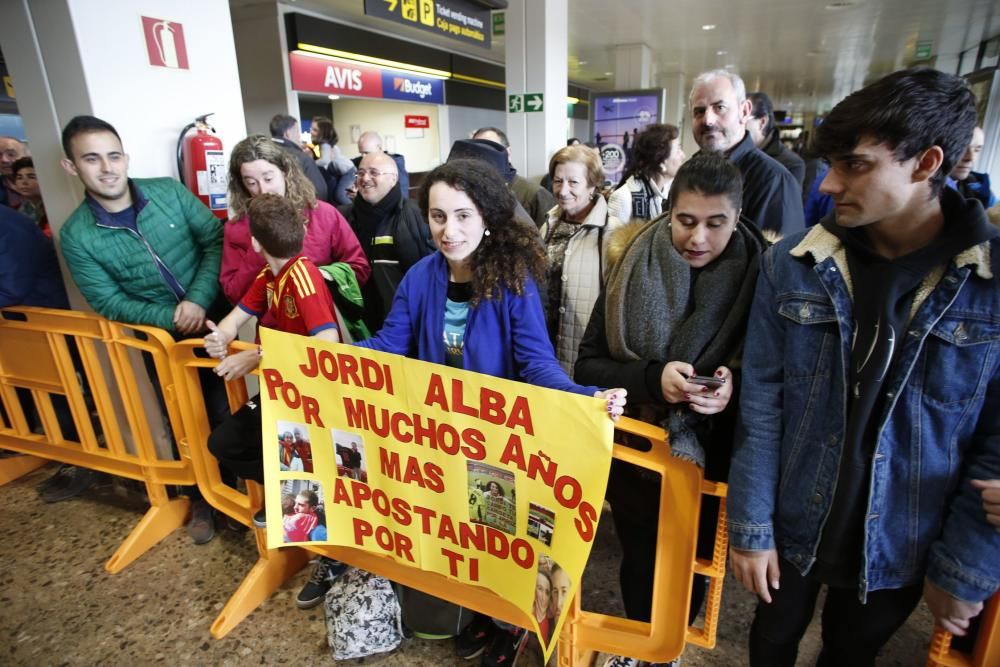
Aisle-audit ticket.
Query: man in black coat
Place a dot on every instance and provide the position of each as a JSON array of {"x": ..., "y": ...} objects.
[
  {"x": 391, "y": 230},
  {"x": 765, "y": 136},
  {"x": 719, "y": 113}
]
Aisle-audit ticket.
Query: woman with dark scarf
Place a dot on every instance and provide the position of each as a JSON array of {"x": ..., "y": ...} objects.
[{"x": 675, "y": 306}]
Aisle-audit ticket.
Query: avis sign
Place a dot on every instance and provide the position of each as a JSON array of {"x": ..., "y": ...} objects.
[
  {"x": 339, "y": 77},
  {"x": 321, "y": 75}
]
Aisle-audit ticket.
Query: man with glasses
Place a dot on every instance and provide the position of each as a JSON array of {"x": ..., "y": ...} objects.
[
  {"x": 371, "y": 142},
  {"x": 391, "y": 229}
]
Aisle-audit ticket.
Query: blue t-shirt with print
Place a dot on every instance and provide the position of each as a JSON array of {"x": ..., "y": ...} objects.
[{"x": 456, "y": 315}]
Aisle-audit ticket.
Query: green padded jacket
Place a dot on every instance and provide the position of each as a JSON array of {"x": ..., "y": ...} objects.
[{"x": 115, "y": 269}]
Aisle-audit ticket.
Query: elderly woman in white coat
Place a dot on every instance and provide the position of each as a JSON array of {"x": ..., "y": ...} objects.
[{"x": 574, "y": 240}]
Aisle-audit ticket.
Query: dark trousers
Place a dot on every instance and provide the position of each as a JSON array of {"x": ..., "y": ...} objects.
[
  {"x": 853, "y": 633},
  {"x": 634, "y": 495},
  {"x": 238, "y": 444}
]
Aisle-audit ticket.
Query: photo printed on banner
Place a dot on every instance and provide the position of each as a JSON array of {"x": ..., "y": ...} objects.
[
  {"x": 349, "y": 449},
  {"x": 492, "y": 497},
  {"x": 294, "y": 448},
  {"x": 303, "y": 512},
  {"x": 541, "y": 523}
]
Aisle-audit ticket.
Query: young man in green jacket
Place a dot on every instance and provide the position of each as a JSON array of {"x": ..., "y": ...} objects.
[{"x": 142, "y": 251}]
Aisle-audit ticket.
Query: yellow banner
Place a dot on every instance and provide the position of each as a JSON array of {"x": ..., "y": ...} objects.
[{"x": 485, "y": 480}]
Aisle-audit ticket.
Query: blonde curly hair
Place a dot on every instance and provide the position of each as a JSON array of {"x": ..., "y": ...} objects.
[{"x": 298, "y": 189}]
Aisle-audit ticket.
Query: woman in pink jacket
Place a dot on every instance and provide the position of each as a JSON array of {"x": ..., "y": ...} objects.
[{"x": 257, "y": 166}]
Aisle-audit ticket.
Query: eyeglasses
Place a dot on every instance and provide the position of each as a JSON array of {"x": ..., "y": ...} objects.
[{"x": 374, "y": 173}]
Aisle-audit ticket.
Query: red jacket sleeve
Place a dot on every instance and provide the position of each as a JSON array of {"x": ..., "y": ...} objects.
[
  {"x": 240, "y": 264},
  {"x": 344, "y": 246}
]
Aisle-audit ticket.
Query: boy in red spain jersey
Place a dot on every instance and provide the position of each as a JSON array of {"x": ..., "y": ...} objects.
[{"x": 292, "y": 289}]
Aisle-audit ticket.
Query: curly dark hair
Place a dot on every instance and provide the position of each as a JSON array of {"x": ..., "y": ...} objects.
[
  {"x": 513, "y": 251},
  {"x": 652, "y": 146}
]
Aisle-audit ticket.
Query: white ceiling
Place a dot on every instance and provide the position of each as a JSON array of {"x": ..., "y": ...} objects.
[{"x": 807, "y": 54}]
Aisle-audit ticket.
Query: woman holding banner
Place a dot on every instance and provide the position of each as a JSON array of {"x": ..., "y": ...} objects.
[
  {"x": 474, "y": 304},
  {"x": 675, "y": 305}
]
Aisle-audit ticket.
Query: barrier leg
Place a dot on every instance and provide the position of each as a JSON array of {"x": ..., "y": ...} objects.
[
  {"x": 163, "y": 517},
  {"x": 568, "y": 651},
  {"x": 272, "y": 569},
  {"x": 18, "y": 466}
]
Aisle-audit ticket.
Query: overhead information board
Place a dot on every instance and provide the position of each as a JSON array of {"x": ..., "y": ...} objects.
[{"x": 456, "y": 19}]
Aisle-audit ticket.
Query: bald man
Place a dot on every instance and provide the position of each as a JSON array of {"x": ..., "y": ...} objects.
[
  {"x": 371, "y": 142},
  {"x": 391, "y": 229}
]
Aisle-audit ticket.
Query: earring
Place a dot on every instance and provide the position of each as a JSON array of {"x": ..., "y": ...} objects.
[{"x": 486, "y": 233}]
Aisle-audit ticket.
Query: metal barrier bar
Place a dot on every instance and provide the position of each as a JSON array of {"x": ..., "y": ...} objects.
[
  {"x": 664, "y": 637},
  {"x": 35, "y": 354}
]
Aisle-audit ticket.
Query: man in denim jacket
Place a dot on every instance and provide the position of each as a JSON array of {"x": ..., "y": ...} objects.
[{"x": 871, "y": 389}]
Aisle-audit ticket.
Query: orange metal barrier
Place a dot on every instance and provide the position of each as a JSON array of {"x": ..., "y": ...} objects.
[
  {"x": 584, "y": 632},
  {"x": 986, "y": 652},
  {"x": 37, "y": 348},
  {"x": 35, "y": 355}
]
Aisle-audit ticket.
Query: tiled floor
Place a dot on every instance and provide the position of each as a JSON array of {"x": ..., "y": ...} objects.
[{"x": 59, "y": 607}]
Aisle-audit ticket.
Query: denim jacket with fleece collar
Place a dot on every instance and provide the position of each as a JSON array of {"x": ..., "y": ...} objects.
[{"x": 939, "y": 428}]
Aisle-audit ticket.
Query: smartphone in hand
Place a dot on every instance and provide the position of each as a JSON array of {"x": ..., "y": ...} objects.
[{"x": 707, "y": 381}]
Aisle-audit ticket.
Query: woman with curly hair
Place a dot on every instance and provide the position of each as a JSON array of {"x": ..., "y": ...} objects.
[
  {"x": 474, "y": 305},
  {"x": 656, "y": 157},
  {"x": 258, "y": 166}
]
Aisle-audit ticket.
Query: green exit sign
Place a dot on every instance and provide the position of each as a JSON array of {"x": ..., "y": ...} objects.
[
  {"x": 498, "y": 23},
  {"x": 923, "y": 51}
]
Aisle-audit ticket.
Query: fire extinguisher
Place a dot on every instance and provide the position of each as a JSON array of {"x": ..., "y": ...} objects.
[{"x": 202, "y": 165}]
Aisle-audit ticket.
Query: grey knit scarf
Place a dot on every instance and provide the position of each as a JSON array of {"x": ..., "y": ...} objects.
[{"x": 658, "y": 307}]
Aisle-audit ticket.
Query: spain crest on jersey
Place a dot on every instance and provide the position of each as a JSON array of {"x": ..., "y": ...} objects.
[{"x": 290, "y": 309}]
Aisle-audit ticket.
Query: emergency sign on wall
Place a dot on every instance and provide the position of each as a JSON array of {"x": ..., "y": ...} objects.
[{"x": 165, "y": 43}]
